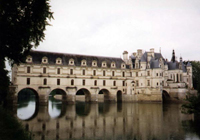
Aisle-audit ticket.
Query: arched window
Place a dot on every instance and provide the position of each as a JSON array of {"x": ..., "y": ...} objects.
[
  {"x": 113, "y": 65},
  {"x": 45, "y": 82},
  {"x": 45, "y": 60},
  {"x": 95, "y": 82},
  {"x": 29, "y": 59},
  {"x": 58, "y": 61},
  {"x": 123, "y": 65},
  {"x": 71, "y": 61},
  {"x": 72, "y": 82},
  {"x": 123, "y": 74},
  {"x": 114, "y": 83},
  {"x": 104, "y": 82},
  {"x": 83, "y": 63},
  {"x": 104, "y": 64},
  {"x": 94, "y": 63}
]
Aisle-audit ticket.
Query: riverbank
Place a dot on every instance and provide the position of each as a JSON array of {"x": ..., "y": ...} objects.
[{"x": 11, "y": 128}]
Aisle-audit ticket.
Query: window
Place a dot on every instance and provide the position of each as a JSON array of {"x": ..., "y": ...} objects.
[
  {"x": 71, "y": 71},
  {"x": 44, "y": 60},
  {"x": 148, "y": 82},
  {"x": 123, "y": 83},
  {"x": 137, "y": 83},
  {"x": 95, "y": 82},
  {"x": 83, "y": 82},
  {"x": 113, "y": 73},
  {"x": 122, "y": 65},
  {"x": 29, "y": 59},
  {"x": 114, "y": 83},
  {"x": 123, "y": 74},
  {"x": 148, "y": 73},
  {"x": 104, "y": 82},
  {"x": 130, "y": 74},
  {"x": 83, "y": 63},
  {"x": 58, "y": 61},
  {"x": 94, "y": 72},
  {"x": 28, "y": 69},
  {"x": 44, "y": 70},
  {"x": 104, "y": 64},
  {"x": 58, "y": 81},
  {"x": 157, "y": 83},
  {"x": 28, "y": 81},
  {"x": 58, "y": 70},
  {"x": 156, "y": 74},
  {"x": 72, "y": 82},
  {"x": 45, "y": 82},
  {"x": 83, "y": 72},
  {"x": 113, "y": 65},
  {"x": 94, "y": 63},
  {"x": 136, "y": 74},
  {"x": 104, "y": 73},
  {"x": 71, "y": 61}
]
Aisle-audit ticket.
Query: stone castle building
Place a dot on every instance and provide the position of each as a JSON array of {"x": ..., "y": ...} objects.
[{"x": 142, "y": 76}]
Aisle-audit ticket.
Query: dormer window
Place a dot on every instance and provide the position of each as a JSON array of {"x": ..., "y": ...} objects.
[
  {"x": 45, "y": 60},
  {"x": 83, "y": 63},
  {"x": 58, "y": 61},
  {"x": 71, "y": 61},
  {"x": 123, "y": 65},
  {"x": 104, "y": 64},
  {"x": 113, "y": 65},
  {"x": 94, "y": 63},
  {"x": 29, "y": 59}
]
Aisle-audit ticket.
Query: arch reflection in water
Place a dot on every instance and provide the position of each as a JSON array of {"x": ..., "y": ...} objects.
[
  {"x": 83, "y": 109},
  {"x": 128, "y": 121},
  {"x": 27, "y": 104},
  {"x": 56, "y": 104}
]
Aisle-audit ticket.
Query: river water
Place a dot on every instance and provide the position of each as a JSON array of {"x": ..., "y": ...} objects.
[{"x": 133, "y": 121}]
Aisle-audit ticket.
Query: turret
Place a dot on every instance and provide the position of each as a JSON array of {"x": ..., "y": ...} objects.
[
  {"x": 173, "y": 56},
  {"x": 125, "y": 56}
]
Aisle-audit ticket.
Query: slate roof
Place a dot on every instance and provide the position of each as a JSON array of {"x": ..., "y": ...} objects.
[{"x": 52, "y": 56}]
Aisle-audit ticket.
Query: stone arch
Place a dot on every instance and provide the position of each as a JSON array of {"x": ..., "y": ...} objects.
[
  {"x": 165, "y": 96},
  {"x": 83, "y": 95},
  {"x": 56, "y": 98},
  {"x": 104, "y": 95},
  {"x": 58, "y": 93},
  {"x": 23, "y": 96},
  {"x": 119, "y": 96}
]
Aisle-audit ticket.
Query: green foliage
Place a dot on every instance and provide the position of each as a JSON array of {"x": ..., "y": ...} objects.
[
  {"x": 10, "y": 128},
  {"x": 193, "y": 105},
  {"x": 22, "y": 26},
  {"x": 22, "y": 23},
  {"x": 196, "y": 75},
  {"x": 4, "y": 81}
]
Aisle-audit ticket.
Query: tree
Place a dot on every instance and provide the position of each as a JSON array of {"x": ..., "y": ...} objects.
[
  {"x": 193, "y": 105},
  {"x": 22, "y": 26},
  {"x": 196, "y": 75}
]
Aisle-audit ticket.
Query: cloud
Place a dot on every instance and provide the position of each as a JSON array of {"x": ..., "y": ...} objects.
[{"x": 109, "y": 27}]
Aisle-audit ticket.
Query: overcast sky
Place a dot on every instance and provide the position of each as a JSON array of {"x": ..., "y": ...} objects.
[{"x": 108, "y": 27}]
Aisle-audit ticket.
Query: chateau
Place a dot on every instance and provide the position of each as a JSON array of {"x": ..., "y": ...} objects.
[{"x": 142, "y": 76}]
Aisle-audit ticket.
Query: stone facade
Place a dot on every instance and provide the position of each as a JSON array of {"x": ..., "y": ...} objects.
[{"x": 142, "y": 76}]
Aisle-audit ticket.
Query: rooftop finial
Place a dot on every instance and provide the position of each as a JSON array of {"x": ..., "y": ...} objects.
[{"x": 173, "y": 56}]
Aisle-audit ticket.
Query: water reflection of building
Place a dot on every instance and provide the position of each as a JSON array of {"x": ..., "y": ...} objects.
[
  {"x": 141, "y": 77},
  {"x": 110, "y": 121}
]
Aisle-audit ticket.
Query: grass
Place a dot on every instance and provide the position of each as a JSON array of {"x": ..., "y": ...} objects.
[{"x": 11, "y": 128}]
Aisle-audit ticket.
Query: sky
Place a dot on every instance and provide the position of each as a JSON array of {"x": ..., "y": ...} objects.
[{"x": 109, "y": 27}]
